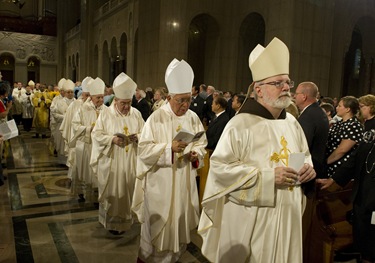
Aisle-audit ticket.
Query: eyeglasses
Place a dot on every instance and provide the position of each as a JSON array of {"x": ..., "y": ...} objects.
[
  {"x": 279, "y": 84},
  {"x": 182, "y": 101}
]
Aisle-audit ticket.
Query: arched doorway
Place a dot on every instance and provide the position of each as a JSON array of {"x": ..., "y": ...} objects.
[
  {"x": 7, "y": 63},
  {"x": 203, "y": 48},
  {"x": 353, "y": 65},
  {"x": 33, "y": 69},
  {"x": 252, "y": 33},
  {"x": 359, "y": 66}
]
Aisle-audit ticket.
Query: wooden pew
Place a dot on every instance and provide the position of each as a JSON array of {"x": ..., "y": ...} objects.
[{"x": 330, "y": 233}]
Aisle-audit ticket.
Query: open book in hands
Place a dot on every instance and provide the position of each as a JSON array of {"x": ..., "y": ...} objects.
[
  {"x": 127, "y": 138},
  {"x": 8, "y": 129},
  {"x": 187, "y": 136}
]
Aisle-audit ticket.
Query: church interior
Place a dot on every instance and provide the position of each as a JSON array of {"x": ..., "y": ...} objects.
[{"x": 331, "y": 43}]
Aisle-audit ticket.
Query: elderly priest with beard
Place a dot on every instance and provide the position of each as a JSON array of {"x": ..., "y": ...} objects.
[{"x": 256, "y": 171}]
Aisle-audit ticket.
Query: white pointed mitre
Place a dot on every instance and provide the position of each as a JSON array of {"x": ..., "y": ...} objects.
[
  {"x": 61, "y": 83},
  {"x": 96, "y": 87},
  {"x": 31, "y": 83},
  {"x": 124, "y": 87},
  {"x": 179, "y": 77},
  {"x": 269, "y": 61},
  {"x": 85, "y": 83},
  {"x": 68, "y": 85}
]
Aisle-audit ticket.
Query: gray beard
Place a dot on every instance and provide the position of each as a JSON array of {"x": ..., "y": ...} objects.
[{"x": 279, "y": 103}]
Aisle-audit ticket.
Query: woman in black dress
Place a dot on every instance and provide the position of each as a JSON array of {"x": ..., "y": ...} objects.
[{"x": 343, "y": 136}]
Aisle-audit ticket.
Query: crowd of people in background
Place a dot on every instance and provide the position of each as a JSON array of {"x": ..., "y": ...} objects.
[{"x": 118, "y": 142}]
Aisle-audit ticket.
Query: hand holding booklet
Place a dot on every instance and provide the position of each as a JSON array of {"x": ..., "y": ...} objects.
[
  {"x": 124, "y": 136},
  {"x": 187, "y": 136},
  {"x": 8, "y": 129},
  {"x": 296, "y": 161}
]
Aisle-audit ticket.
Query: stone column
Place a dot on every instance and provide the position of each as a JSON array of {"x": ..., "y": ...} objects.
[{"x": 100, "y": 62}]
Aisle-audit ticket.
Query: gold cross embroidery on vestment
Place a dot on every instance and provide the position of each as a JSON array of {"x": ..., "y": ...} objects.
[
  {"x": 282, "y": 156},
  {"x": 126, "y": 132}
]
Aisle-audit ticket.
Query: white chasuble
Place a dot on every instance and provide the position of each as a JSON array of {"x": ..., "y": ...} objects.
[
  {"x": 114, "y": 166},
  {"x": 83, "y": 122},
  {"x": 245, "y": 217},
  {"x": 58, "y": 114},
  {"x": 66, "y": 126},
  {"x": 166, "y": 197}
]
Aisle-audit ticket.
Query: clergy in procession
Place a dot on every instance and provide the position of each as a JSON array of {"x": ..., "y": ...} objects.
[
  {"x": 57, "y": 115},
  {"x": 166, "y": 197},
  {"x": 70, "y": 141},
  {"x": 255, "y": 173},
  {"x": 52, "y": 123},
  {"x": 17, "y": 106},
  {"x": 27, "y": 109},
  {"x": 113, "y": 157},
  {"x": 41, "y": 103},
  {"x": 83, "y": 123}
]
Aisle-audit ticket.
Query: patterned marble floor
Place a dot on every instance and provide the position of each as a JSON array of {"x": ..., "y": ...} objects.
[{"x": 40, "y": 220}]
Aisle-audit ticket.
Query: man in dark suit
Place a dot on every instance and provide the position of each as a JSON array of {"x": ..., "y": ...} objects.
[
  {"x": 141, "y": 104},
  {"x": 203, "y": 91},
  {"x": 238, "y": 99},
  {"x": 207, "y": 111},
  {"x": 229, "y": 97},
  {"x": 315, "y": 125},
  {"x": 217, "y": 125},
  {"x": 197, "y": 102}
]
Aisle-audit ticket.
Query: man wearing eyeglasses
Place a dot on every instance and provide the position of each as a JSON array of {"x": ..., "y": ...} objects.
[
  {"x": 255, "y": 172},
  {"x": 166, "y": 196}
]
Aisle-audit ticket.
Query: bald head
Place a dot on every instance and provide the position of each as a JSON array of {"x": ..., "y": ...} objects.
[
  {"x": 306, "y": 94},
  {"x": 310, "y": 89}
]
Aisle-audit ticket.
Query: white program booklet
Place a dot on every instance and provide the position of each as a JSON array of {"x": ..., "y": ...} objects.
[
  {"x": 296, "y": 161},
  {"x": 8, "y": 129},
  {"x": 187, "y": 136}
]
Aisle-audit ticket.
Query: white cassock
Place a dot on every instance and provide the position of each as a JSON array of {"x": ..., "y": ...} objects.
[
  {"x": 17, "y": 105},
  {"x": 115, "y": 166},
  {"x": 166, "y": 197},
  {"x": 245, "y": 218},
  {"x": 58, "y": 113},
  {"x": 82, "y": 124},
  {"x": 52, "y": 122},
  {"x": 67, "y": 133}
]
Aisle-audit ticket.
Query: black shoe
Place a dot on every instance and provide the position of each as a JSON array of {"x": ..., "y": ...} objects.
[
  {"x": 116, "y": 233},
  {"x": 44, "y": 136},
  {"x": 5, "y": 178},
  {"x": 1, "y": 182},
  {"x": 96, "y": 205}
]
